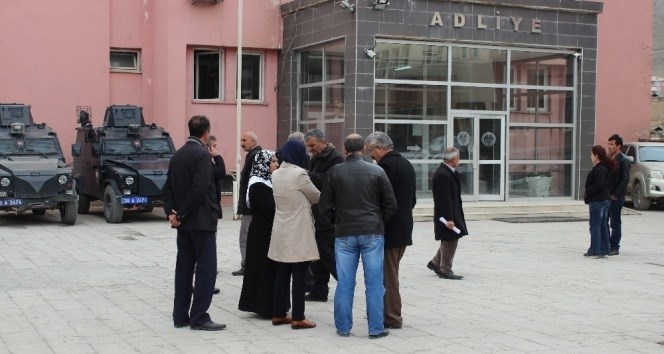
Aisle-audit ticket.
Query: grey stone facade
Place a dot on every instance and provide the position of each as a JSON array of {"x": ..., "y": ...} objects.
[{"x": 564, "y": 24}]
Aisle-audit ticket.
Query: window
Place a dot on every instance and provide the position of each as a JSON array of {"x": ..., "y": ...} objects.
[
  {"x": 207, "y": 75},
  {"x": 252, "y": 77},
  {"x": 125, "y": 60},
  {"x": 536, "y": 98},
  {"x": 321, "y": 91}
]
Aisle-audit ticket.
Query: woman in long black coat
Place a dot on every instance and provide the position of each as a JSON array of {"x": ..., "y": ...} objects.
[{"x": 259, "y": 271}]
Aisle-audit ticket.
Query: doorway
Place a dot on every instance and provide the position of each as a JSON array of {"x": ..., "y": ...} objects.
[{"x": 480, "y": 139}]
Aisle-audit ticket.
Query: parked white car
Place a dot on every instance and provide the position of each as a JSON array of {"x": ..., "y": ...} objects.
[{"x": 646, "y": 177}]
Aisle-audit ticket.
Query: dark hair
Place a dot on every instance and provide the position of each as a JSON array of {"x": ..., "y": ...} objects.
[
  {"x": 354, "y": 143},
  {"x": 199, "y": 125},
  {"x": 600, "y": 152},
  {"x": 294, "y": 152},
  {"x": 616, "y": 139}
]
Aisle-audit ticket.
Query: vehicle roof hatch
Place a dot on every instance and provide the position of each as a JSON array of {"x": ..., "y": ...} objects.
[
  {"x": 123, "y": 116},
  {"x": 15, "y": 113}
]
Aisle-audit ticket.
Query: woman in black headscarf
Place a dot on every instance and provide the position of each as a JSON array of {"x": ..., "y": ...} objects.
[{"x": 259, "y": 271}]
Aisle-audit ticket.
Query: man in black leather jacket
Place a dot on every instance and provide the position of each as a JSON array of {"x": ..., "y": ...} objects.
[
  {"x": 359, "y": 199},
  {"x": 249, "y": 143},
  {"x": 619, "y": 180}
]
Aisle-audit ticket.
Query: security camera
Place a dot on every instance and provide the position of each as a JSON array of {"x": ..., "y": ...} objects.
[
  {"x": 370, "y": 53},
  {"x": 345, "y": 4}
]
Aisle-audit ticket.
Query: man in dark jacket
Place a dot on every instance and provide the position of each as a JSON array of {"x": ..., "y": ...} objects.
[
  {"x": 249, "y": 143},
  {"x": 399, "y": 229},
  {"x": 323, "y": 157},
  {"x": 619, "y": 180},
  {"x": 447, "y": 204},
  {"x": 359, "y": 199},
  {"x": 192, "y": 208}
]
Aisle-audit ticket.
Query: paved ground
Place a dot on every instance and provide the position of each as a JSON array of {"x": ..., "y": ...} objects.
[{"x": 96, "y": 287}]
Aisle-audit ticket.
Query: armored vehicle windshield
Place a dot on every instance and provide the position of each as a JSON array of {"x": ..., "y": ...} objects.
[{"x": 128, "y": 146}]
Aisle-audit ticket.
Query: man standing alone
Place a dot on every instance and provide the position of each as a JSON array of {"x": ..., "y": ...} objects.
[
  {"x": 249, "y": 143},
  {"x": 359, "y": 199},
  {"x": 191, "y": 206},
  {"x": 447, "y": 204},
  {"x": 399, "y": 229},
  {"x": 324, "y": 156},
  {"x": 619, "y": 180}
]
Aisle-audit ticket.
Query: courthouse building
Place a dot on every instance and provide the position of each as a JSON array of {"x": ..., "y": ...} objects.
[
  {"x": 512, "y": 84},
  {"x": 523, "y": 88}
]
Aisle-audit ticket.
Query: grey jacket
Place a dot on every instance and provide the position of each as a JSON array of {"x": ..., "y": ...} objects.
[{"x": 357, "y": 198}]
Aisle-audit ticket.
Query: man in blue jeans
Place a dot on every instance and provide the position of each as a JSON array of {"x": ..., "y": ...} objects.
[
  {"x": 359, "y": 198},
  {"x": 619, "y": 180}
]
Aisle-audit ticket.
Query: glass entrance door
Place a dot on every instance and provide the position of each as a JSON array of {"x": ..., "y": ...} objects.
[{"x": 480, "y": 139}]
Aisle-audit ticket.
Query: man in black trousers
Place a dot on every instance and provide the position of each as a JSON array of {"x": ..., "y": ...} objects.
[
  {"x": 399, "y": 228},
  {"x": 191, "y": 206},
  {"x": 323, "y": 157}
]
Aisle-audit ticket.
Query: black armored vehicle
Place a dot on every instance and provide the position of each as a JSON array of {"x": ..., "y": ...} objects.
[
  {"x": 122, "y": 163},
  {"x": 33, "y": 174}
]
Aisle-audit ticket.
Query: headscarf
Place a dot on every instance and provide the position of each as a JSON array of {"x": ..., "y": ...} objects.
[
  {"x": 260, "y": 170},
  {"x": 295, "y": 153}
]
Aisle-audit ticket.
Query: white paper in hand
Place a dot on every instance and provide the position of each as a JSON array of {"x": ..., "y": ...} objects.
[{"x": 455, "y": 229}]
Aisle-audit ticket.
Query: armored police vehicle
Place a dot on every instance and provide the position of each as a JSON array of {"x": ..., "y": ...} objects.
[
  {"x": 122, "y": 163},
  {"x": 33, "y": 174}
]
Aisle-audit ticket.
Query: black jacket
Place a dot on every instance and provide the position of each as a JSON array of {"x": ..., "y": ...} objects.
[
  {"x": 318, "y": 167},
  {"x": 400, "y": 172},
  {"x": 447, "y": 203},
  {"x": 190, "y": 188},
  {"x": 358, "y": 197},
  {"x": 620, "y": 177},
  {"x": 242, "y": 208},
  {"x": 219, "y": 172},
  {"x": 597, "y": 184}
]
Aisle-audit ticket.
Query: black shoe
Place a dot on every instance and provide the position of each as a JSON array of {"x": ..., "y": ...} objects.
[
  {"x": 382, "y": 334},
  {"x": 343, "y": 334},
  {"x": 180, "y": 325},
  {"x": 614, "y": 253},
  {"x": 314, "y": 297},
  {"x": 433, "y": 267},
  {"x": 216, "y": 291},
  {"x": 209, "y": 326},
  {"x": 238, "y": 272},
  {"x": 450, "y": 275},
  {"x": 389, "y": 326}
]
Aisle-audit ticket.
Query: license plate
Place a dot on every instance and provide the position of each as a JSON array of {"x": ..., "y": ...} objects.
[
  {"x": 134, "y": 200},
  {"x": 11, "y": 202}
]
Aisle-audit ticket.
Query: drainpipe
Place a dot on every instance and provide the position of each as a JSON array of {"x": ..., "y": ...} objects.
[{"x": 238, "y": 112}]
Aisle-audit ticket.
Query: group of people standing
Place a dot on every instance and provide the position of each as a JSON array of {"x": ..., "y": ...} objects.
[
  {"x": 317, "y": 213},
  {"x": 605, "y": 195}
]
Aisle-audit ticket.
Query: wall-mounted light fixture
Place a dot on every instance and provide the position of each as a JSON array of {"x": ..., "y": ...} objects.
[
  {"x": 345, "y": 4},
  {"x": 380, "y": 4},
  {"x": 370, "y": 53}
]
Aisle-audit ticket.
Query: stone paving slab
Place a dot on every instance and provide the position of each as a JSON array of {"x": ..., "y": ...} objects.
[{"x": 101, "y": 288}]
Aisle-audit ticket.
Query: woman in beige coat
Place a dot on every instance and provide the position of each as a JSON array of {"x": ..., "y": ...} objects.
[{"x": 293, "y": 244}]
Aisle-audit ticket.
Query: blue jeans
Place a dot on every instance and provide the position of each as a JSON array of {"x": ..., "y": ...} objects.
[
  {"x": 615, "y": 222},
  {"x": 599, "y": 228},
  {"x": 347, "y": 251}
]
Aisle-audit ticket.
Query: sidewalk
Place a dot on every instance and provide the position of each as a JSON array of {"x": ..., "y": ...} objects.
[{"x": 101, "y": 288}]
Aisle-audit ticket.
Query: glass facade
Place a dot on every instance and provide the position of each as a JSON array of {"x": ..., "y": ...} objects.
[
  {"x": 509, "y": 111},
  {"x": 321, "y": 91}
]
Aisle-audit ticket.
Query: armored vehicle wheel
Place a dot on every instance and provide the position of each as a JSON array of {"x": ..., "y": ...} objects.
[
  {"x": 68, "y": 212},
  {"x": 39, "y": 211},
  {"x": 640, "y": 201},
  {"x": 112, "y": 206},
  {"x": 83, "y": 204}
]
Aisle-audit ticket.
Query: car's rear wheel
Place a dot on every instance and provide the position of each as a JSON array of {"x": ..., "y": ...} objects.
[
  {"x": 68, "y": 212},
  {"x": 83, "y": 204},
  {"x": 112, "y": 207},
  {"x": 640, "y": 201},
  {"x": 39, "y": 212}
]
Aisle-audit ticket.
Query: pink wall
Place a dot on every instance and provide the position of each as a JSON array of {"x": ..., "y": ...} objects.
[
  {"x": 59, "y": 59},
  {"x": 55, "y": 58},
  {"x": 624, "y": 70}
]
